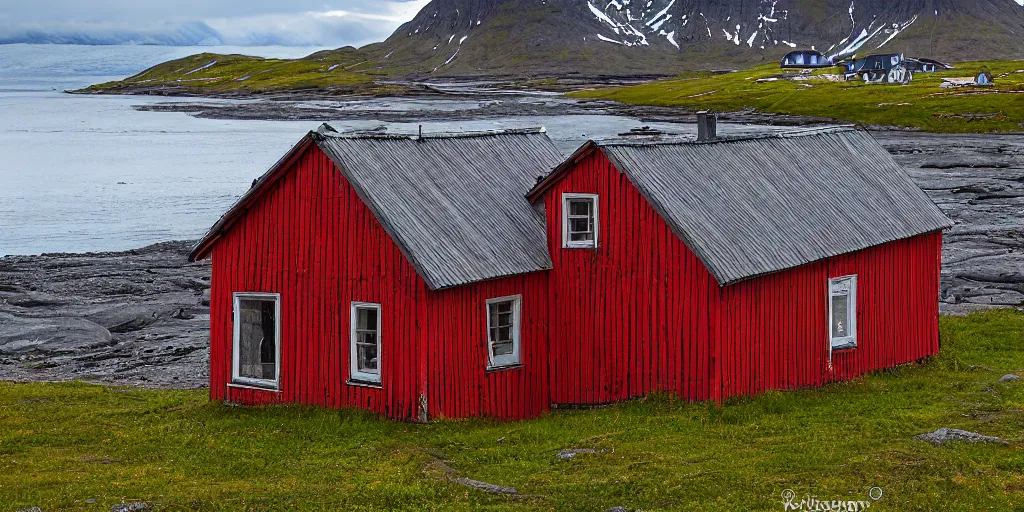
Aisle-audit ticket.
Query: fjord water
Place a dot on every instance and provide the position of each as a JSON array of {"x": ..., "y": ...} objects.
[{"x": 90, "y": 173}]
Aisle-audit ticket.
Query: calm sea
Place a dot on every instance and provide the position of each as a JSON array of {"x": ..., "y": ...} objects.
[{"x": 90, "y": 173}]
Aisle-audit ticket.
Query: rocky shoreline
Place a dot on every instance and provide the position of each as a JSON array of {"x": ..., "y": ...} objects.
[
  {"x": 136, "y": 317},
  {"x": 141, "y": 317}
]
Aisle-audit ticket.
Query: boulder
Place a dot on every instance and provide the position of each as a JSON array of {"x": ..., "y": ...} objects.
[
  {"x": 48, "y": 335},
  {"x": 947, "y": 435}
]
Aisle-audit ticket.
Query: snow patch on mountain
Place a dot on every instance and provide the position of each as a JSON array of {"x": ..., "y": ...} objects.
[{"x": 761, "y": 28}]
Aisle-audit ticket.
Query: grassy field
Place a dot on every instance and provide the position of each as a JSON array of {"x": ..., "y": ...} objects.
[
  {"x": 80, "y": 446},
  {"x": 207, "y": 73},
  {"x": 922, "y": 104}
]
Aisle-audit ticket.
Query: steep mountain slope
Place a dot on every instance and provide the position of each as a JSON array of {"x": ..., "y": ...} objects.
[{"x": 472, "y": 37}]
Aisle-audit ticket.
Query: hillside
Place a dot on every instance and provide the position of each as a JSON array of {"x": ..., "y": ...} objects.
[
  {"x": 517, "y": 38},
  {"x": 921, "y": 105},
  {"x": 616, "y": 37}
]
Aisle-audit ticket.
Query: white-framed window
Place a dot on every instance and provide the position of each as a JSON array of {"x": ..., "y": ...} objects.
[
  {"x": 579, "y": 220},
  {"x": 842, "y": 312},
  {"x": 503, "y": 314},
  {"x": 365, "y": 342},
  {"x": 256, "y": 349}
]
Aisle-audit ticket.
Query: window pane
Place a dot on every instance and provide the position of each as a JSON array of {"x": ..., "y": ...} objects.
[
  {"x": 579, "y": 225},
  {"x": 504, "y": 319},
  {"x": 367, "y": 337},
  {"x": 503, "y": 348},
  {"x": 366, "y": 319},
  {"x": 581, "y": 237},
  {"x": 257, "y": 339},
  {"x": 504, "y": 334},
  {"x": 840, "y": 315},
  {"x": 579, "y": 207},
  {"x": 367, "y": 357}
]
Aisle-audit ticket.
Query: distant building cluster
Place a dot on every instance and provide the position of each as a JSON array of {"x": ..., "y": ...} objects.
[{"x": 888, "y": 68}]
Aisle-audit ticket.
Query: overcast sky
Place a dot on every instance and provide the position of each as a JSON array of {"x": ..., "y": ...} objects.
[{"x": 241, "y": 22}]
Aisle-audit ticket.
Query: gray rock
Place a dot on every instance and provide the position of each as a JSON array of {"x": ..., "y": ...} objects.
[
  {"x": 619, "y": 508},
  {"x": 129, "y": 317},
  {"x": 1009, "y": 378},
  {"x": 571, "y": 453},
  {"x": 486, "y": 487},
  {"x": 947, "y": 435},
  {"x": 978, "y": 182},
  {"x": 129, "y": 506},
  {"x": 59, "y": 335}
]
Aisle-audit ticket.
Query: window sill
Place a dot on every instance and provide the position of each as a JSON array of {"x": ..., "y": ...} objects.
[
  {"x": 492, "y": 369},
  {"x": 846, "y": 347},
  {"x": 591, "y": 247},
  {"x": 364, "y": 384},
  {"x": 255, "y": 387}
]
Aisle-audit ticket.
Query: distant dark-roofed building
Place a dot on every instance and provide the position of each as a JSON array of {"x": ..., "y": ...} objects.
[
  {"x": 805, "y": 59},
  {"x": 436, "y": 276},
  {"x": 890, "y": 68}
]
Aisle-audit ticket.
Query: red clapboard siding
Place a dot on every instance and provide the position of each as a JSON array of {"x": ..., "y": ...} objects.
[
  {"x": 638, "y": 315},
  {"x": 312, "y": 240},
  {"x": 631, "y": 317},
  {"x": 642, "y": 313},
  {"x": 459, "y": 384}
]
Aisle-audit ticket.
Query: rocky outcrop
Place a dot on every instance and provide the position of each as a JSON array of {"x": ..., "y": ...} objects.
[
  {"x": 138, "y": 317},
  {"x": 978, "y": 181},
  {"x": 949, "y": 435}
]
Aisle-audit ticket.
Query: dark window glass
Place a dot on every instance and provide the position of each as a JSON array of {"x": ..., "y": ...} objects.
[
  {"x": 257, "y": 339},
  {"x": 366, "y": 340},
  {"x": 841, "y": 315},
  {"x": 502, "y": 320},
  {"x": 581, "y": 220}
]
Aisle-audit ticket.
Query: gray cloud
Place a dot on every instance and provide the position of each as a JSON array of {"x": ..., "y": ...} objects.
[{"x": 187, "y": 22}]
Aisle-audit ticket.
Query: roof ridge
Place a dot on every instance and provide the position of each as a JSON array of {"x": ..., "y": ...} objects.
[
  {"x": 691, "y": 140},
  {"x": 327, "y": 131}
]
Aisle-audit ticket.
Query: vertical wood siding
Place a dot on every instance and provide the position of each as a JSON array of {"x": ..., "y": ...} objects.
[
  {"x": 312, "y": 240},
  {"x": 642, "y": 314},
  {"x": 777, "y": 337},
  {"x": 459, "y": 384},
  {"x": 631, "y": 317}
]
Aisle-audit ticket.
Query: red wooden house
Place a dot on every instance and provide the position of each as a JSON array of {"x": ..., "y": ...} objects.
[{"x": 435, "y": 276}]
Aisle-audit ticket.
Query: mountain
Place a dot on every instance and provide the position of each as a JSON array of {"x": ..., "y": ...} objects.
[
  {"x": 616, "y": 37},
  {"x": 177, "y": 34}
]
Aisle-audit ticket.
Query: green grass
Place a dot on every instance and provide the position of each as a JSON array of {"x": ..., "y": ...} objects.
[
  {"x": 922, "y": 104},
  {"x": 343, "y": 69},
  {"x": 63, "y": 444}
]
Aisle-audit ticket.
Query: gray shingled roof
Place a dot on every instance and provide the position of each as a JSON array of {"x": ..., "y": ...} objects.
[
  {"x": 454, "y": 203},
  {"x": 749, "y": 207}
]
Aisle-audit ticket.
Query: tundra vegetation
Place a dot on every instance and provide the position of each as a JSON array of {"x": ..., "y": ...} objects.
[
  {"x": 339, "y": 71},
  {"x": 920, "y": 105},
  {"x": 77, "y": 446}
]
